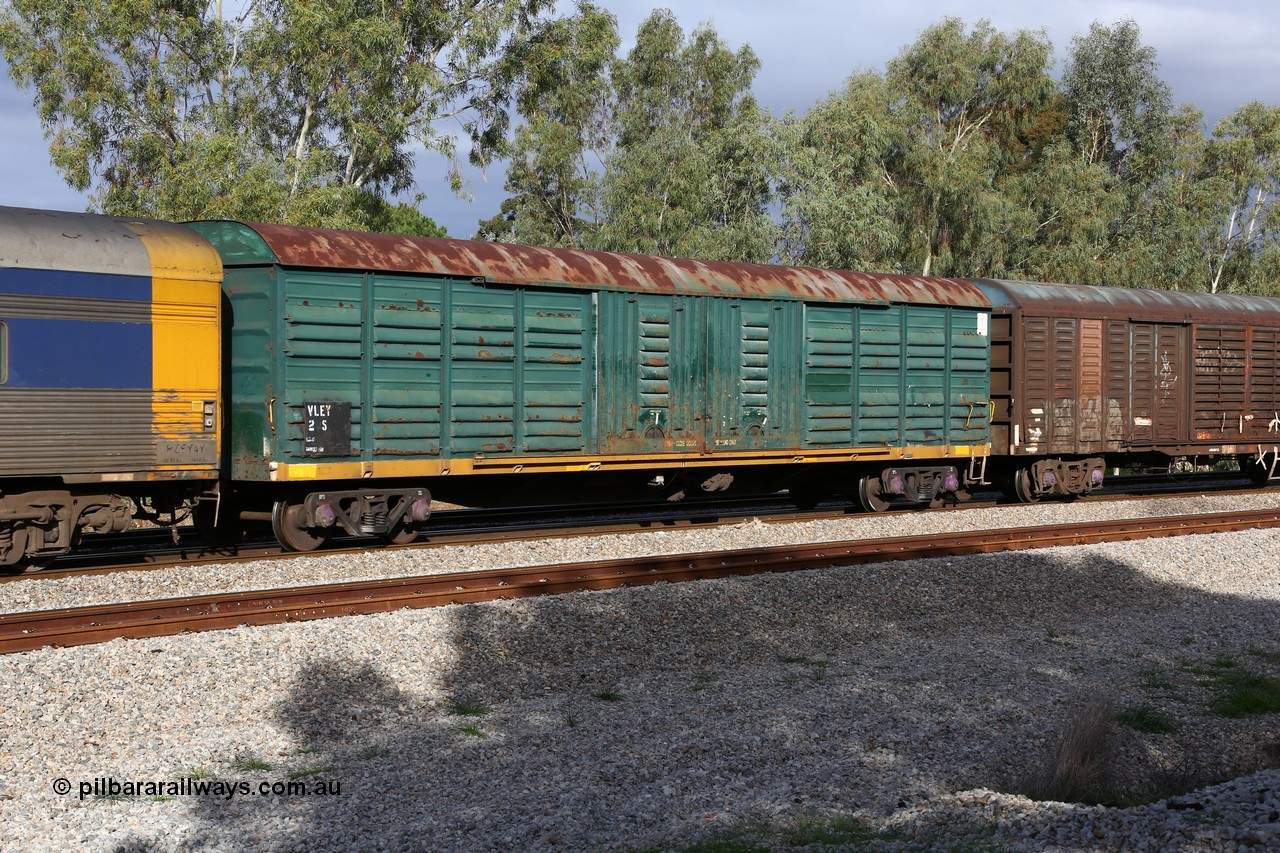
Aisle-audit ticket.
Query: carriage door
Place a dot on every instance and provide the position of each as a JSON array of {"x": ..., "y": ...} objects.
[{"x": 1158, "y": 354}]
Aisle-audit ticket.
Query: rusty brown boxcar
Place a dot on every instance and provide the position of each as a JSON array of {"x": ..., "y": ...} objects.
[{"x": 1082, "y": 375}]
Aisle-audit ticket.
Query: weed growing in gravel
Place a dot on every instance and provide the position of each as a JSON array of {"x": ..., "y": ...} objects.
[
  {"x": 249, "y": 763},
  {"x": 609, "y": 695},
  {"x": 1078, "y": 768},
  {"x": 817, "y": 667},
  {"x": 1222, "y": 661},
  {"x": 198, "y": 773},
  {"x": 702, "y": 680},
  {"x": 308, "y": 772},
  {"x": 371, "y": 752},
  {"x": 1243, "y": 693},
  {"x": 1052, "y": 636},
  {"x": 467, "y": 708},
  {"x": 473, "y": 730},
  {"x": 1155, "y": 678},
  {"x": 801, "y": 831},
  {"x": 1081, "y": 766},
  {"x": 1262, "y": 654},
  {"x": 1144, "y": 718},
  {"x": 806, "y": 830}
]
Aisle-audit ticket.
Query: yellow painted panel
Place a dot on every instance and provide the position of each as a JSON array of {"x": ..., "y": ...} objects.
[
  {"x": 186, "y": 299},
  {"x": 465, "y": 466}
]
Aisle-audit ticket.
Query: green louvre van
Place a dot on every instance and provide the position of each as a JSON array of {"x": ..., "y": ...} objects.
[{"x": 372, "y": 371}]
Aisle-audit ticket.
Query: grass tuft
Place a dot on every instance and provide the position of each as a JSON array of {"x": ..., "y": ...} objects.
[
  {"x": 312, "y": 771},
  {"x": 250, "y": 763},
  {"x": 468, "y": 708},
  {"x": 1144, "y": 718},
  {"x": 1078, "y": 769},
  {"x": 1243, "y": 694},
  {"x": 838, "y": 831}
]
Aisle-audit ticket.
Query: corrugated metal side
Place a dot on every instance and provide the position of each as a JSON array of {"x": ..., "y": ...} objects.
[
  {"x": 913, "y": 375},
  {"x": 1264, "y": 385},
  {"x": 408, "y": 365},
  {"x": 1091, "y": 414},
  {"x": 443, "y": 368},
  {"x": 1036, "y": 395},
  {"x": 652, "y": 374},
  {"x": 1115, "y": 381},
  {"x": 81, "y": 433},
  {"x": 530, "y": 265},
  {"x": 1236, "y": 396},
  {"x": 1221, "y": 368},
  {"x": 1063, "y": 404}
]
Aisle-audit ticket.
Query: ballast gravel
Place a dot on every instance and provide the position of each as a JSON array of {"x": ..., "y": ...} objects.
[{"x": 911, "y": 705}]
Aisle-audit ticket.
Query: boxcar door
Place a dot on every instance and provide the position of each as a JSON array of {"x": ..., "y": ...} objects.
[
  {"x": 745, "y": 403},
  {"x": 1158, "y": 355},
  {"x": 652, "y": 397}
]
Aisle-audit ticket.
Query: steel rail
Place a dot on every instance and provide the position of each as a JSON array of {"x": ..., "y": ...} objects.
[{"x": 86, "y": 625}]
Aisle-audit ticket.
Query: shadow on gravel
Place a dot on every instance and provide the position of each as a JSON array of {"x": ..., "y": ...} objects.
[{"x": 607, "y": 721}]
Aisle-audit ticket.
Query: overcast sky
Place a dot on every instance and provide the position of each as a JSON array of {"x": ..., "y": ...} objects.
[{"x": 1214, "y": 54}]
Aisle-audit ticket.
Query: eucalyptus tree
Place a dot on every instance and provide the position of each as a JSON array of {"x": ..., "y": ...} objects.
[
  {"x": 287, "y": 110},
  {"x": 690, "y": 174},
  {"x": 837, "y": 186},
  {"x": 1120, "y": 122},
  {"x": 663, "y": 151},
  {"x": 1243, "y": 233},
  {"x": 564, "y": 136},
  {"x": 965, "y": 101}
]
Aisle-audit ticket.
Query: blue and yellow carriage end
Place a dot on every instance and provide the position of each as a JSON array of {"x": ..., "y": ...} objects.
[{"x": 109, "y": 376}]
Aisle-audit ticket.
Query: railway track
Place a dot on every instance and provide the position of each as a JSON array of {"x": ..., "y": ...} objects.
[
  {"x": 141, "y": 550},
  {"x": 87, "y": 625}
]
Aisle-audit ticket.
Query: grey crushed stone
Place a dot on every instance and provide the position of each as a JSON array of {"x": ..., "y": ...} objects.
[{"x": 918, "y": 697}]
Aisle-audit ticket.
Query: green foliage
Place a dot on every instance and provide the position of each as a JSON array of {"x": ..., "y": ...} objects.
[
  {"x": 292, "y": 112},
  {"x": 469, "y": 708},
  {"x": 962, "y": 157},
  {"x": 837, "y": 184},
  {"x": 965, "y": 158},
  {"x": 965, "y": 100},
  {"x": 905, "y": 171},
  {"x": 564, "y": 98},
  {"x": 662, "y": 152}
]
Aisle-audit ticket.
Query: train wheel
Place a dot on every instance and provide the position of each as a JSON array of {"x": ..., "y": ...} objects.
[
  {"x": 1022, "y": 488},
  {"x": 288, "y": 524},
  {"x": 869, "y": 492},
  {"x": 402, "y": 535}
]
